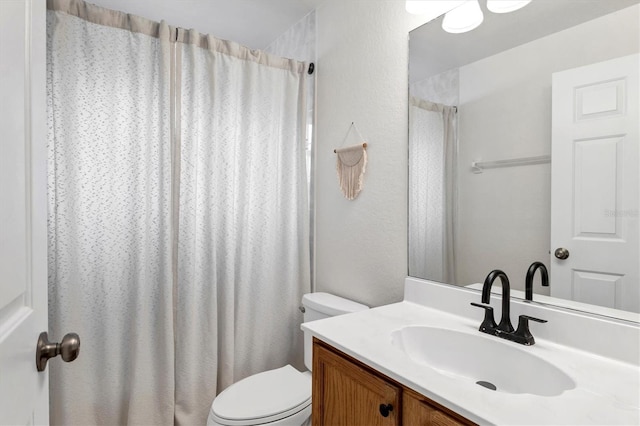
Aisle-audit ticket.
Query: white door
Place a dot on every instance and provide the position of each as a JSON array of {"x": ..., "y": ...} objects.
[
  {"x": 23, "y": 211},
  {"x": 595, "y": 184}
]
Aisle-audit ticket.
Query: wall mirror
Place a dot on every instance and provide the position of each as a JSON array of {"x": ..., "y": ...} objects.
[{"x": 523, "y": 140}]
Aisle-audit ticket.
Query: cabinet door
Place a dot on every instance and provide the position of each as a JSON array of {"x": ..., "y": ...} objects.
[
  {"x": 346, "y": 394},
  {"x": 416, "y": 411}
]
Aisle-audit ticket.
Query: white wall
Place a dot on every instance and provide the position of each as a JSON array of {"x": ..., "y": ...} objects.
[
  {"x": 361, "y": 245},
  {"x": 298, "y": 42},
  {"x": 505, "y": 112}
]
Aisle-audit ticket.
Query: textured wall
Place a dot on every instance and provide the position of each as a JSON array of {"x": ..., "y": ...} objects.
[
  {"x": 298, "y": 42},
  {"x": 361, "y": 245}
]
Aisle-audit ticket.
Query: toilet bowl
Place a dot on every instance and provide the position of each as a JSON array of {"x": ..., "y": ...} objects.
[
  {"x": 275, "y": 397},
  {"x": 281, "y": 396}
]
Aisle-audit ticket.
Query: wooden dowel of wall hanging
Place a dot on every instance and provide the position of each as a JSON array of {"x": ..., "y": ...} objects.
[{"x": 364, "y": 145}]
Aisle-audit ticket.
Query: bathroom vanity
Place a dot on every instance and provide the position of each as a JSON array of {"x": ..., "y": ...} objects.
[
  {"x": 423, "y": 361},
  {"x": 348, "y": 392}
]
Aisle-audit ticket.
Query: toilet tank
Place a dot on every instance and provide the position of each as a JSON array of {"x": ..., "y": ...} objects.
[{"x": 324, "y": 305}]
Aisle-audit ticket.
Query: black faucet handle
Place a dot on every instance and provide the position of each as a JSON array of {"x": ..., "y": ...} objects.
[
  {"x": 528, "y": 318},
  {"x": 489, "y": 323},
  {"x": 483, "y": 306},
  {"x": 522, "y": 334}
]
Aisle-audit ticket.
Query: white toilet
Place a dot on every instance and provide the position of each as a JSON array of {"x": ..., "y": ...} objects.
[{"x": 281, "y": 396}]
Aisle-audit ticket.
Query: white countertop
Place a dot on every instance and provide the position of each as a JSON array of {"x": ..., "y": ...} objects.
[{"x": 607, "y": 391}]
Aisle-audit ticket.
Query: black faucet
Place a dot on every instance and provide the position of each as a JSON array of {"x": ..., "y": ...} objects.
[
  {"x": 505, "y": 329},
  {"x": 528, "y": 284},
  {"x": 505, "y": 320}
]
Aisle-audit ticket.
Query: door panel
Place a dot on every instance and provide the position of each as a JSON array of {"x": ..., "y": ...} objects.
[
  {"x": 23, "y": 211},
  {"x": 596, "y": 176},
  {"x": 597, "y": 288}
]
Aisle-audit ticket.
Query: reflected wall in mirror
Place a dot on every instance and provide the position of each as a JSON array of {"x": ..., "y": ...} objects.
[{"x": 552, "y": 89}]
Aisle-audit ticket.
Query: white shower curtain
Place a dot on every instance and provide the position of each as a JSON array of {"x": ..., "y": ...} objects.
[
  {"x": 178, "y": 222},
  {"x": 243, "y": 239},
  {"x": 109, "y": 220},
  {"x": 432, "y": 160}
]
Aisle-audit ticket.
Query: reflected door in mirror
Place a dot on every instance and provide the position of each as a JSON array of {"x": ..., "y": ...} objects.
[{"x": 595, "y": 184}]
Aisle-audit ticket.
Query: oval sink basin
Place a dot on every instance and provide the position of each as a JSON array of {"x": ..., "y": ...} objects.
[{"x": 480, "y": 359}]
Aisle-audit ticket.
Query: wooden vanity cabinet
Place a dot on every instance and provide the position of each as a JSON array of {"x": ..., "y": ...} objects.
[
  {"x": 349, "y": 393},
  {"x": 346, "y": 393},
  {"x": 420, "y": 410}
]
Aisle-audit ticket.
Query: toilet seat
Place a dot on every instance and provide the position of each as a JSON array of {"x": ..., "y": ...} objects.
[{"x": 263, "y": 398}]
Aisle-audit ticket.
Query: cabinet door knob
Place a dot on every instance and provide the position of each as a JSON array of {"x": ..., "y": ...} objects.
[{"x": 385, "y": 409}]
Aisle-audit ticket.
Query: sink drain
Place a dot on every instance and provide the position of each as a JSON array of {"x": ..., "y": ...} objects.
[{"x": 487, "y": 385}]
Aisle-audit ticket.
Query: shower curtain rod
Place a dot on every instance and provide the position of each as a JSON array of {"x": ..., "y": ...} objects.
[{"x": 310, "y": 70}]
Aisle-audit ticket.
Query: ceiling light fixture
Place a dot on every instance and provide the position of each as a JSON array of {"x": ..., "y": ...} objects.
[
  {"x": 506, "y": 6},
  {"x": 463, "y": 18}
]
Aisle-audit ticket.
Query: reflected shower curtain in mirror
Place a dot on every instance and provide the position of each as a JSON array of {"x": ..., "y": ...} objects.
[
  {"x": 432, "y": 151},
  {"x": 178, "y": 215}
]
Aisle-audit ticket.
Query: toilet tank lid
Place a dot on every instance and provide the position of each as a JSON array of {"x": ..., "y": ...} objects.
[{"x": 331, "y": 304}]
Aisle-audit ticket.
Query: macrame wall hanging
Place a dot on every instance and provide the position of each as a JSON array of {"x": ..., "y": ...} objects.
[{"x": 351, "y": 163}]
